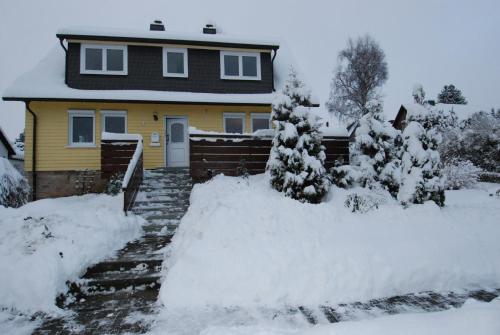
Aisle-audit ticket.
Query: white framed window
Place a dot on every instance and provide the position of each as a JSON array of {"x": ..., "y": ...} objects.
[
  {"x": 114, "y": 121},
  {"x": 260, "y": 121},
  {"x": 103, "y": 59},
  {"x": 175, "y": 62},
  {"x": 234, "y": 123},
  {"x": 81, "y": 128},
  {"x": 240, "y": 65}
]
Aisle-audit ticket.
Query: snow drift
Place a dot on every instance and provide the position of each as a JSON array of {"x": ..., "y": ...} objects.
[
  {"x": 243, "y": 244},
  {"x": 47, "y": 242}
]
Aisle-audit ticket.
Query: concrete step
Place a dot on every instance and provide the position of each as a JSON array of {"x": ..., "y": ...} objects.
[
  {"x": 130, "y": 283},
  {"x": 121, "y": 265}
]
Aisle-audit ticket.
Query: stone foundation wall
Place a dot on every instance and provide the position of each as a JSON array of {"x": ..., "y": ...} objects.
[{"x": 54, "y": 184}]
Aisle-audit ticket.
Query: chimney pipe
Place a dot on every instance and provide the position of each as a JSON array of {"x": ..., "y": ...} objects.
[
  {"x": 157, "y": 25},
  {"x": 209, "y": 29}
]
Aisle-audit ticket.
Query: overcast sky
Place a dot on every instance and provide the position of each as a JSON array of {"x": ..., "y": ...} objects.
[{"x": 434, "y": 42}]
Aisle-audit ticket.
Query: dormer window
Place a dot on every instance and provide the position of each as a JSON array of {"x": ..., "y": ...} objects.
[
  {"x": 240, "y": 65},
  {"x": 103, "y": 59},
  {"x": 175, "y": 62}
]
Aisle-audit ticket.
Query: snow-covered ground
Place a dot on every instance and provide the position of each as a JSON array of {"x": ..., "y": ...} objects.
[
  {"x": 243, "y": 246},
  {"x": 473, "y": 318},
  {"x": 48, "y": 242}
]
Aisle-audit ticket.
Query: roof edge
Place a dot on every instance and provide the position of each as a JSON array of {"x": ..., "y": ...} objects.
[
  {"x": 109, "y": 38},
  {"x": 163, "y": 102}
]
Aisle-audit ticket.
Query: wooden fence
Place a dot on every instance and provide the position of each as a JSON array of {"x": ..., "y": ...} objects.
[
  {"x": 116, "y": 156},
  {"x": 236, "y": 154}
]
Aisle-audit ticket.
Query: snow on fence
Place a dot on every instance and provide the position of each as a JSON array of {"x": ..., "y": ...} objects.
[
  {"x": 235, "y": 155},
  {"x": 122, "y": 154}
]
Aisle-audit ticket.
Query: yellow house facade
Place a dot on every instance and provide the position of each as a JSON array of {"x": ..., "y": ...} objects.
[{"x": 54, "y": 151}]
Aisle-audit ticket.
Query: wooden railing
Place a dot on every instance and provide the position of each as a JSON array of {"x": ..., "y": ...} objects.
[
  {"x": 237, "y": 154},
  {"x": 122, "y": 154},
  {"x": 131, "y": 189}
]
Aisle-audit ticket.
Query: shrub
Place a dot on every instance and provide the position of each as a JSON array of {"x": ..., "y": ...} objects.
[
  {"x": 14, "y": 189},
  {"x": 460, "y": 174},
  {"x": 114, "y": 185}
]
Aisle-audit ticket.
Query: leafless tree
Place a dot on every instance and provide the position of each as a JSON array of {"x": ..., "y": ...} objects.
[{"x": 360, "y": 73}]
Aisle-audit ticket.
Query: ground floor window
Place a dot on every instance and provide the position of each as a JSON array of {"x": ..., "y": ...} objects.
[
  {"x": 114, "y": 121},
  {"x": 260, "y": 121},
  {"x": 81, "y": 128},
  {"x": 234, "y": 123}
]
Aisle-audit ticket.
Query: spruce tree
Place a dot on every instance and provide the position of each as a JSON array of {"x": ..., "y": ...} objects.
[
  {"x": 376, "y": 152},
  {"x": 296, "y": 161},
  {"x": 421, "y": 178},
  {"x": 451, "y": 95}
]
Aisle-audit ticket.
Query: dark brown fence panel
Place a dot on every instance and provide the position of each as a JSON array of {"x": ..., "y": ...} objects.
[
  {"x": 115, "y": 156},
  {"x": 235, "y": 154},
  {"x": 130, "y": 192}
]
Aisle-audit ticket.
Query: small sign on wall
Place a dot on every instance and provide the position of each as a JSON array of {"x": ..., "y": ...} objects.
[{"x": 155, "y": 139}]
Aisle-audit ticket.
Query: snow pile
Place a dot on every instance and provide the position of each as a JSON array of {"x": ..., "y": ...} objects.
[
  {"x": 241, "y": 243},
  {"x": 473, "y": 318},
  {"x": 47, "y": 242},
  {"x": 14, "y": 189}
]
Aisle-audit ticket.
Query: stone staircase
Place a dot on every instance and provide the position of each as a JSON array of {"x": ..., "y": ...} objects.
[{"x": 114, "y": 295}]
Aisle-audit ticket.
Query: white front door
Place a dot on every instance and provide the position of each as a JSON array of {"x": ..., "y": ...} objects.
[{"x": 177, "y": 142}]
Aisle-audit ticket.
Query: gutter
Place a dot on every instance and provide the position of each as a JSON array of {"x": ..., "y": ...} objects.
[
  {"x": 66, "y": 60},
  {"x": 272, "y": 67},
  {"x": 33, "y": 150}
]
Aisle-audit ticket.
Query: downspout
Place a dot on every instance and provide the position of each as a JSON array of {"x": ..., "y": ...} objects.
[
  {"x": 33, "y": 149},
  {"x": 66, "y": 60},
  {"x": 272, "y": 66}
]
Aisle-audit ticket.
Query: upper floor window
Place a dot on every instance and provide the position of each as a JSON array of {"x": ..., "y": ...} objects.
[
  {"x": 114, "y": 121},
  {"x": 260, "y": 121},
  {"x": 240, "y": 65},
  {"x": 103, "y": 59},
  {"x": 175, "y": 63},
  {"x": 81, "y": 128}
]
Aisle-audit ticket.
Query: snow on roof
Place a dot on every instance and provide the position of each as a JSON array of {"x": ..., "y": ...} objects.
[
  {"x": 46, "y": 81},
  {"x": 8, "y": 145},
  {"x": 164, "y": 35},
  {"x": 330, "y": 125}
]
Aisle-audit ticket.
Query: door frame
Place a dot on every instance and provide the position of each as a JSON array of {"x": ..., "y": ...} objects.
[{"x": 186, "y": 138}]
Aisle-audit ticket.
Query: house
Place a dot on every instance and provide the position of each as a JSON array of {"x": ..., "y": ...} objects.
[
  {"x": 7, "y": 150},
  {"x": 153, "y": 83}
]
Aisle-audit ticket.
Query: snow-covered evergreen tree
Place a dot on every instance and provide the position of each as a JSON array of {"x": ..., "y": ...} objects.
[
  {"x": 296, "y": 161},
  {"x": 451, "y": 95},
  {"x": 421, "y": 178},
  {"x": 376, "y": 152}
]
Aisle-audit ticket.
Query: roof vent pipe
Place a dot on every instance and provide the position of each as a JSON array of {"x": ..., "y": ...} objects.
[
  {"x": 209, "y": 29},
  {"x": 157, "y": 25}
]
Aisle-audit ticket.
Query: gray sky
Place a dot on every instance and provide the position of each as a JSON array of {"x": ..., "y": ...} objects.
[{"x": 434, "y": 42}]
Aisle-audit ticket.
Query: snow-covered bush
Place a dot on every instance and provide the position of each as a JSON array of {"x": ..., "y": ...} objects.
[
  {"x": 477, "y": 139},
  {"x": 376, "y": 152},
  {"x": 114, "y": 185},
  {"x": 344, "y": 176},
  {"x": 296, "y": 161},
  {"x": 421, "y": 178},
  {"x": 362, "y": 203},
  {"x": 460, "y": 174},
  {"x": 14, "y": 189},
  {"x": 418, "y": 94}
]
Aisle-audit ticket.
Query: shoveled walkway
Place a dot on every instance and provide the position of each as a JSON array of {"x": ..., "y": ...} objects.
[{"x": 113, "y": 294}]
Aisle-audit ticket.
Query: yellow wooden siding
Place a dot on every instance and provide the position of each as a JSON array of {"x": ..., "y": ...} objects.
[{"x": 54, "y": 154}]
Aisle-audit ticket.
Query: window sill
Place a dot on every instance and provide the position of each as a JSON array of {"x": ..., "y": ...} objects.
[
  {"x": 173, "y": 75},
  {"x": 87, "y": 146},
  {"x": 241, "y": 78}
]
